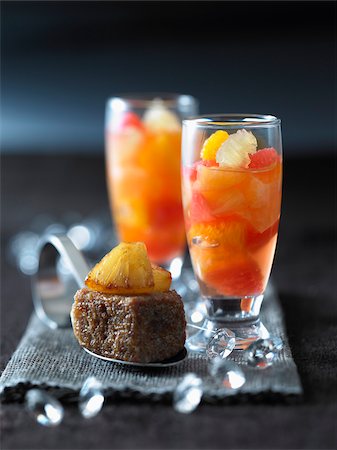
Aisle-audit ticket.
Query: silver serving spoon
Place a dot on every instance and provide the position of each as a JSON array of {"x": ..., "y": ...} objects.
[{"x": 177, "y": 359}]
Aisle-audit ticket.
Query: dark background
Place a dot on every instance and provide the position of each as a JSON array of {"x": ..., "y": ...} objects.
[
  {"x": 62, "y": 60},
  {"x": 59, "y": 63}
]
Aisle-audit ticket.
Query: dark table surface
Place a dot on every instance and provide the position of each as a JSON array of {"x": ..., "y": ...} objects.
[{"x": 305, "y": 275}]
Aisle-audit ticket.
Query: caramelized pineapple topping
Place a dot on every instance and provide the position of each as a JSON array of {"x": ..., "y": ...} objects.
[{"x": 127, "y": 270}]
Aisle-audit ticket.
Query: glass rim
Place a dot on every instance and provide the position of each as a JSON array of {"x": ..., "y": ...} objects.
[
  {"x": 145, "y": 99},
  {"x": 232, "y": 120}
]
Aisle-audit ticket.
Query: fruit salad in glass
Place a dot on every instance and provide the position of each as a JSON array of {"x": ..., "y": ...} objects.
[
  {"x": 143, "y": 150},
  {"x": 232, "y": 178}
]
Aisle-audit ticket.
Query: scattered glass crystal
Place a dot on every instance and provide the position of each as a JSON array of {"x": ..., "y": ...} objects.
[
  {"x": 227, "y": 373},
  {"x": 263, "y": 352},
  {"x": 221, "y": 344},
  {"x": 188, "y": 394},
  {"x": 91, "y": 398},
  {"x": 44, "y": 407}
]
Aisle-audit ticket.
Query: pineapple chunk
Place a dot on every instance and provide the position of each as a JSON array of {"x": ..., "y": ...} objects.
[
  {"x": 235, "y": 151},
  {"x": 158, "y": 118},
  {"x": 126, "y": 270},
  {"x": 162, "y": 279},
  {"x": 125, "y": 267}
]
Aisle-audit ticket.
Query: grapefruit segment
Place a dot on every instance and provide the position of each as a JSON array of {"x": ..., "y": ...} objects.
[
  {"x": 237, "y": 279},
  {"x": 263, "y": 158},
  {"x": 130, "y": 120},
  {"x": 200, "y": 211}
]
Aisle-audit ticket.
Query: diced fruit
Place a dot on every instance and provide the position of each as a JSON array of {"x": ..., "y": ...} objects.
[
  {"x": 158, "y": 118},
  {"x": 214, "y": 178},
  {"x": 235, "y": 151},
  {"x": 208, "y": 163},
  {"x": 162, "y": 278},
  {"x": 226, "y": 202},
  {"x": 256, "y": 240},
  {"x": 263, "y": 202},
  {"x": 231, "y": 233},
  {"x": 263, "y": 158},
  {"x": 212, "y": 144},
  {"x": 127, "y": 270},
  {"x": 191, "y": 172},
  {"x": 130, "y": 120},
  {"x": 239, "y": 278},
  {"x": 131, "y": 212},
  {"x": 199, "y": 210},
  {"x": 166, "y": 212}
]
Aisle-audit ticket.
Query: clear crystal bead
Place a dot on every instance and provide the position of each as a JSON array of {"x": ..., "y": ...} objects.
[
  {"x": 227, "y": 373},
  {"x": 262, "y": 352},
  {"x": 221, "y": 344},
  {"x": 91, "y": 398},
  {"x": 44, "y": 407},
  {"x": 188, "y": 394}
]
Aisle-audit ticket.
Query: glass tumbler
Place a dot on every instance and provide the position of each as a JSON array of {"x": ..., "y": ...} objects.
[
  {"x": 231, "y": 184},
  {"x": 143, "y": 153}
]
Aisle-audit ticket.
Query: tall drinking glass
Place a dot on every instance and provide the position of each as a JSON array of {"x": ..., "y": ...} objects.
[
  {"x": 231, "y": 184},
  {"x": 143, "y": 153}
]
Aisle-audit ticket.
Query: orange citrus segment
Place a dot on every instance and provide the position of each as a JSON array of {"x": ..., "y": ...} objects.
[
  {"x": 212, "y": 144},
  {"x": 231, "y": 233}
]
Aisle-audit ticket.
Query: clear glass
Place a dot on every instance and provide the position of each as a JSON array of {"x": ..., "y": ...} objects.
[
  {"x": 143, "y": 151},
  {"x": 232, "y": 201}
]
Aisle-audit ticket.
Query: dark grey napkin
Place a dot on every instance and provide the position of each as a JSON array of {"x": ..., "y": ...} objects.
[{"x": 53, "y": 358}]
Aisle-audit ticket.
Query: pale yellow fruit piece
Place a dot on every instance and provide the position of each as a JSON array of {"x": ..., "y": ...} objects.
[
  {"x": 162, "y": 279},
  {"x": 125, "y": 269},
  {"x": 158, "y": 118},
  {"x": 235, "y": 151},
  {"x": 215, "y": 178}
]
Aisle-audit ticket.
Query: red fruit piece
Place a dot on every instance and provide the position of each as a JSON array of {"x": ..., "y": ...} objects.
[
  {"x": 263, "y": 158},
  {"x": 241, "y": 278},
  {"x": 207, "y": 163},
  {"x": 191, "y": 172},
  {"x": 130, "y": 119},
  {"x": 200, "y": 211},
  {"x": 256, "y": 240}
]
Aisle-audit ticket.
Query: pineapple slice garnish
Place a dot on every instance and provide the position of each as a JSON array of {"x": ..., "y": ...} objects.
[{"x": 127, "y": 270}]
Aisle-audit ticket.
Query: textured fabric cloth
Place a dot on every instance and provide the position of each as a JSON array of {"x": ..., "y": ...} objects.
[{"x": 53, "y": 358}]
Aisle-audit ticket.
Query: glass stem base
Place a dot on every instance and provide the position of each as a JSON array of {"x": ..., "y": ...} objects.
[
  {"x": 233, "y": 309},
  {"x": 240, "y": 315}
]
